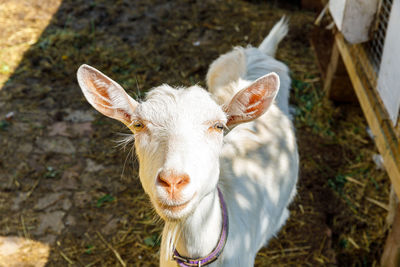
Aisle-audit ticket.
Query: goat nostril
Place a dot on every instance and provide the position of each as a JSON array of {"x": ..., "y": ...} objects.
[
  {"x": 163, "y": 182},
  {"x": 183, "y": 181}
]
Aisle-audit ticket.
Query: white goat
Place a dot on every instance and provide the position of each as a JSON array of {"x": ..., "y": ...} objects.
[{"x": 180, "y": 143}]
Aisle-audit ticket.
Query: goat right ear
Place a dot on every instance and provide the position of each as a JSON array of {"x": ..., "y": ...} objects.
[
  {"x": 253, "y": 101},
  {"x": 105, "y": 95}
]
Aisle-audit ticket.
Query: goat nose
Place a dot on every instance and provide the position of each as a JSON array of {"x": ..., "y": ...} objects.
[{"x": 172, "y": 181}]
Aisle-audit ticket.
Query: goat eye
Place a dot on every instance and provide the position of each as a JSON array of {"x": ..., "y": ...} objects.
[
  {"x": 218, "y": 126},
  {"x": 138, "y": 125}
]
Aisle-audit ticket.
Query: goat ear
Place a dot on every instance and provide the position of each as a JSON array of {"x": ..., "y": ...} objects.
[
  {"x": 252, "y": 102},
  {"x": 105, "y": 95}
]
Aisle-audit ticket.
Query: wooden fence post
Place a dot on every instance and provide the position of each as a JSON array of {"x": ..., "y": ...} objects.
[{"x": 391, "y": 252}]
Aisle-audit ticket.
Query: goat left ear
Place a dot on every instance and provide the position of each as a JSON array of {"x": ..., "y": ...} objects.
[
  {"x": 105, "y": 95},
  {"x": 252, "y": 102}
]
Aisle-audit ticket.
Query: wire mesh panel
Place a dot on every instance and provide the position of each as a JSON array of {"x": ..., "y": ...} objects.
[
  {"x": 369, "y": 59},
  {"x": 374, "y": 48}
]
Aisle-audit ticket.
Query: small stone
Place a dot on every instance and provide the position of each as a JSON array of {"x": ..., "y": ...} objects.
[
  {"x": 92, "y": 166},
  {"x": 80, "y": 116},
  {"x": 63, "y": 204},
  {"x": 81, "y": 199},
  {"x": 66, "y": 204},
  {"x": 89, "y": 181},
  {"x": 110, "y": 227},
  {"x": 82, "y": 129},
  {"x": 70, "y": 221},
  {"x": 48, "y": 200},
  {"x": 57, "y": 144},
  {"x": 59, "y": 128},
  {"x": 117, "y": 187},
  {"x": 18, "y": 200},
  {"x": 68, "y": 181},
  {"x": 50, "y": 221},
  {"x": 25, "y": 148}
]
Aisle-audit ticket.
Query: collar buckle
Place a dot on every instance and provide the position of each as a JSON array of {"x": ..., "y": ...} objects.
[{"x": 178, "y": 257}]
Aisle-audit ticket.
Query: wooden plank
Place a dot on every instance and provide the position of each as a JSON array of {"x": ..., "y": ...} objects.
[
  {"x": 391, "y": 253},
  {"x": 331, "y": 69},
  {"x": 397, "y": 130},
  {"x": 337, "y": 85},
  {"x": 385, "y": 138}
]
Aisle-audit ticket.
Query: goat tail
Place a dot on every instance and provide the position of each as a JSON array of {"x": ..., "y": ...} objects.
[{"x": 275, "y": 36}]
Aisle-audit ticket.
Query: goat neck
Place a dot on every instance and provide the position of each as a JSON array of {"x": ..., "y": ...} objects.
[{"x": 200, "y": 232}]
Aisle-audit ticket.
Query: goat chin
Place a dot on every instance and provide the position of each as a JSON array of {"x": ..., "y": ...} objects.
[{"x": 176, "y": 212}]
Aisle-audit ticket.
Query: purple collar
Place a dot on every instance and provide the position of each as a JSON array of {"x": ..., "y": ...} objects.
[{"x": 187, "y": 262}]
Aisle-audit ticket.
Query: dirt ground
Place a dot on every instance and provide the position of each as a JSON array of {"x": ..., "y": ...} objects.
[{"x": 64, "y": 180}]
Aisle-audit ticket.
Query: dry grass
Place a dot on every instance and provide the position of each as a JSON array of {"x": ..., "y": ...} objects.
[{"x": 21, "y": 23}]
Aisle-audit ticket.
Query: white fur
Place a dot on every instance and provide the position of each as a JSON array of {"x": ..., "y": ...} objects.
[
  {"x": 259, "y": 166},
  {"x": 255, "y": 165},
  {"x": 277, "y": 33},
  {"x": 249, "y": 64}
]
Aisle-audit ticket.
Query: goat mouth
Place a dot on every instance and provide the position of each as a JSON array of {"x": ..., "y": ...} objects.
[{"x": 175, "y": 208}]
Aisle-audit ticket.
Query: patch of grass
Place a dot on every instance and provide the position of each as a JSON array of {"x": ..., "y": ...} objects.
[
  {"x": 310, "y": 107},
  {"x": 51, "y": 173},
  {"x": 337, "y": 184},
  {"x": 343, "y": 243},
  {"x": 104, "y": 199},
  {"x": 153, "y": 240},
  {"x": 4, "y": 125},
  {"x": 89, "y": 249}
]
